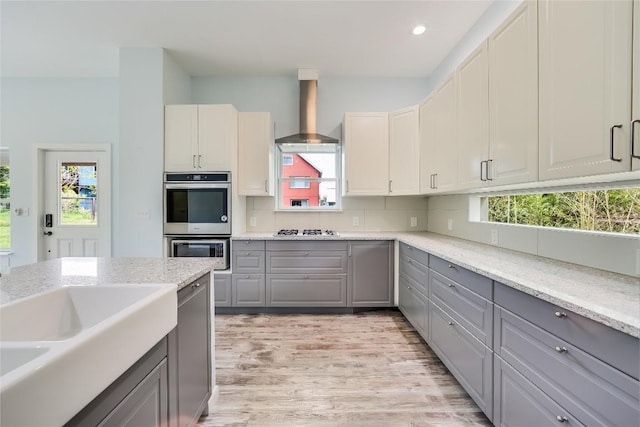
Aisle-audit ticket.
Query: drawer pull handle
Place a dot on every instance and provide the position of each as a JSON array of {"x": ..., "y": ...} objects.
[
  {"x": 409, "y": 261},
  {"x": 247, "y": 254},
  {"x": 561, "y": 419},
  {"x": 450, "y": 285},
  {"x": 408, "y": 287},
  {"x": 560, "y": 314},
  {"x": 306, "y": 277},
  {"x": 561, "y": 349},
  {"x": 451, "y": 323},
  {"x": 196, "y": 285},
  {"x": 451, "y": 266},
  {"x": 306, "y": 253}
]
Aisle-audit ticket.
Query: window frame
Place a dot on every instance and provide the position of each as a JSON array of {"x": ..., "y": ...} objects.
[{"x": 288, "y": 150}]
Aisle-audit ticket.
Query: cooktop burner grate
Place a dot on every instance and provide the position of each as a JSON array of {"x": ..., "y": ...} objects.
[{"x": 306, "y": 232}]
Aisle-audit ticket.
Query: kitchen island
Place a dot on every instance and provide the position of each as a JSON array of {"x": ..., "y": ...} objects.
[{"x": 90, "y": 368}]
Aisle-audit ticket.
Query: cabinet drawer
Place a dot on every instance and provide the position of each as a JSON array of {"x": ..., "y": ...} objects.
[
  {"x": 222, "y": 290},
  {"x": 298, "y": 290},
  {"x": 414, "y": 306},
  {"x": 467, "y": 308},
  {"x": 468, "y": 359},
  {"x": 307, "y": 262},
  {"x": 590, "y": 389},
  {"x": 248, "y": 262},
  {"x": 416, "y": 271},
  {"x": 248, "y": 290},
  {"x": 306, "y": 245},
  {"x": 247, "y": 245},
  {"x": 479, "y": 284},
  {"x": 518, "y": 403},
  {"x": 415, "y": 253},
  {"x": 616, "y": 348}
]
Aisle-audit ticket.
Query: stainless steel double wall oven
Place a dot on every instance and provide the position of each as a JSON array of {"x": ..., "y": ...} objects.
[{"x": 197, "y": 214}]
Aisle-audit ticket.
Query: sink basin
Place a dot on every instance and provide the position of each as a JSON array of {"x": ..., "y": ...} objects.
[
  {"x": 61, "y": 349},
  {"x": 65, "y": 312},
  {"x": 12, "y": 358}
]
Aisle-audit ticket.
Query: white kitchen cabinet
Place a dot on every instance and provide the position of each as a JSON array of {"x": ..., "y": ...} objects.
[
  {"x": 366, "y": 154},
  {"x": 438, "y": 147},
  {"x": 513, "y": 99},
  {"x": 585, "y": 87},
  {"x": 404, "y": 152},
  {"x": 635, "y": 123},
  {"x": 473, "y": 119},
  {"x": 200, "y": 138},
  {"x": 255, "y": 154}
]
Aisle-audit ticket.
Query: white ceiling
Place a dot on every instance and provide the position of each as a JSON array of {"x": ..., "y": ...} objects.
[{"x": 364, "y": 38}]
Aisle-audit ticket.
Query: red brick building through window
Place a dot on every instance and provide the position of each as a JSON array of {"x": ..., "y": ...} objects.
[{"x": 300, "y": 191}]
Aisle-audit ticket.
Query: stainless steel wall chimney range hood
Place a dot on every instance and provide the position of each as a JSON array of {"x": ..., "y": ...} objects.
[{"x": 308, "y": 100}]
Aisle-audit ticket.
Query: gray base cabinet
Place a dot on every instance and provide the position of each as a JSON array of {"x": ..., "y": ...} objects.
[
  {"x": 308, "y": 290},
  {"x": 248, "y": 290},
  {"x": 137, "y": 398},
  {"x": 468, "y": 359},
  {"x": 192, "y": 338},
  {"x": 524, "y": 361},
  {"x": 370, "y": 279},
  {"x": 222, "y": 289}
]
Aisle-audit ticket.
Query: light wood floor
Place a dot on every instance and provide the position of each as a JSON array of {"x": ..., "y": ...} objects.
[{"x": 368, "y": 369}]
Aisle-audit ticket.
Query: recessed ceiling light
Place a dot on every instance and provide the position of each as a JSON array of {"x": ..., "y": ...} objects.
[{"x": 418, "y": 29}]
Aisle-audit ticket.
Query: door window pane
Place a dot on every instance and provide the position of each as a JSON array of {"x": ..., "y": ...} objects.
[
  {"x": 78, "y": 193},
  {"x": 5, "y": 203}
]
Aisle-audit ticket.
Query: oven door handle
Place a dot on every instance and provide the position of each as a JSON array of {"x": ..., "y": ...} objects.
[{"x": 196, "y": 186}]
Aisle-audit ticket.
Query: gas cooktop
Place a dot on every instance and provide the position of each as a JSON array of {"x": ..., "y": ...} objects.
[{"x": 305, "y": 233}]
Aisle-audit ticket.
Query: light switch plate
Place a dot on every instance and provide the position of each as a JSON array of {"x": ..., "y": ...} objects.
[
  {"x": 494, "y": 237},
  {"x": 355, "y": 220}
]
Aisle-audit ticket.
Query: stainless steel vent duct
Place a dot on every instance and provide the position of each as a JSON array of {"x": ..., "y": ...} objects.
[{"x": 308, "y": 131}]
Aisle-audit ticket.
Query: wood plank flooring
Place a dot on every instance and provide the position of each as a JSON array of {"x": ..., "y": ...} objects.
[{"x": 367, "y": 369}]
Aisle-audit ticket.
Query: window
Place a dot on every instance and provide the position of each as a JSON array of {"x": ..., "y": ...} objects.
[
  {"x": 308, "y": 176},
  {"x": 299, "y": 183},
  {"x": 5, "y": 202},
  {"x": 608, "y": 210},
  {"x": 78, "y": 185}
]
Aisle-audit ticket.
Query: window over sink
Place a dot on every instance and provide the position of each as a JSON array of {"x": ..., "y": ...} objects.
[{"x": 308, "y": 176}]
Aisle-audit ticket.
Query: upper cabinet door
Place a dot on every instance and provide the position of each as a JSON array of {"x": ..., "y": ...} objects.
[
  {"x": 473, "y": 118},
  {"x": 255, "y": 154},
  {"x": 636, "y": 87},
  {"x": 446, "y": 148},
  {"x": 366, "y": 154},
  {"x": 404, "y": 152},
  {"x": 585, "y": 87},
  {"x": 427, "y": 146},
  {"x": 218, "y": 137},
  {"x": 180, "y": 138},
  {"x": 513, "y": 98}
]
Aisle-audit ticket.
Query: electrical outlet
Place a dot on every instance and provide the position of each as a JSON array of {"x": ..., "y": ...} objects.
[
  {"x": 494, "y": 237},
  {"x": 252, "y": 221},
  {"x": 413, "y": 221},
  {"x": 355, "y": 220},
  {"x": 450, "y": 224}
]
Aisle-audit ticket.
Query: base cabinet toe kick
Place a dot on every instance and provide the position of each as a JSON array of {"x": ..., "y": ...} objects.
[
  {"x": 170, "y": 385},
  {"x": 524, "y": 361}
]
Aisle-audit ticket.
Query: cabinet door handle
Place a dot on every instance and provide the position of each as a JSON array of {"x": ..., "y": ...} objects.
[
  {"x": 611, "y": 138},
  {"x": 560, "y": 314},
  {"x": 435, "y": 181},
  {"x": 561, "y": 419},
  {"x": 199, "y": 160},
  {"x": 306, "y": 277},
  {"x": 347, "y": 190},
  {"x": 633, "y": 139},
  {"x": 193, "y": 162},
  {"x": 450, "y": 285},
  {"x": 483, "y": 162},
  {"x": 266, "y": 185},
  {"x": 390, "y": 181},
  {"x": 561, "y": 349},
  {"x": 451, "y": 323},
  {"x": 195, "y": 285},
  {"x": 489, "y": 171}
]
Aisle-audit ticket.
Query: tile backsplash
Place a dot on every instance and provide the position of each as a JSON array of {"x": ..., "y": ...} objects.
[{"x": 358, "y": 214}]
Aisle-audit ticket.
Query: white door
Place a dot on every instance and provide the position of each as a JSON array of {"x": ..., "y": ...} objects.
[{"x": 77, "y": 195}]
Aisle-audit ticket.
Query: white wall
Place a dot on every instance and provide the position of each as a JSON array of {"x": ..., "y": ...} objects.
[
  {"x": 138, "y": 223},
  {"x": 336, "y": 95},
  {"x": 50, "y": 110}
]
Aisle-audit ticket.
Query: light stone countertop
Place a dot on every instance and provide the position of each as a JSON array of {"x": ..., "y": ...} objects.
[
  {"x": 609, "y": 298},
  {"x": 33, "y": 279}
]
